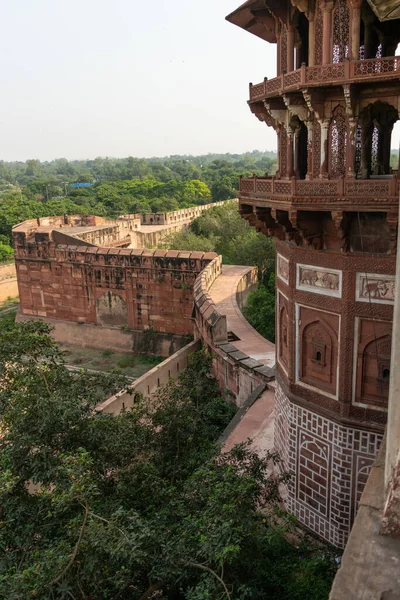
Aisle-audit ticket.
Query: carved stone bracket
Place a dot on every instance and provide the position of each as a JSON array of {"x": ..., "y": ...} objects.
[{"x": 315, "y": 103}]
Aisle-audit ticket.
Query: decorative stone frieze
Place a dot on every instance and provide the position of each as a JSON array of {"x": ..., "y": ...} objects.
[
  {"x": 371, "y": 287},
  {"x": 319, "y": 280}
]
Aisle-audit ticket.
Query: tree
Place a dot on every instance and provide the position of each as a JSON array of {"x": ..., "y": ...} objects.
[
  {"x": 260, "y": 309},
  {"x": 118, "y": 507}
]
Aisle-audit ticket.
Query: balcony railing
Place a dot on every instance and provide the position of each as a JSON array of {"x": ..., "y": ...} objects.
[
  {"x": 298, "y": 191},
  {"x": 331, "y": 74}
]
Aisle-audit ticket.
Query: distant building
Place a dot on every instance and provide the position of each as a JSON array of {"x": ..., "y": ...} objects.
[{"x": 332, "y": 209}]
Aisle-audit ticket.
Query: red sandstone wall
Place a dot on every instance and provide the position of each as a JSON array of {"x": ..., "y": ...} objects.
[
  {"x": 139, "y": 289},
  {"x": 238, "y": 375}
]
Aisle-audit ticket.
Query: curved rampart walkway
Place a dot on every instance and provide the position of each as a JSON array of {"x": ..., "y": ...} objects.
[{"x": 223, "y": 293}]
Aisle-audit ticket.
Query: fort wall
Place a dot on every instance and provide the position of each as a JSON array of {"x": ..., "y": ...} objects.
[
  {"x": 137, "y": 289},
  {"x": 238, "y": 374},
  {"x": 150, "y": 382}
]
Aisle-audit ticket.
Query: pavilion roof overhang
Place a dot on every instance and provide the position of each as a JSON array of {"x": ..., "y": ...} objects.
[
  {"x": 386, "y": 10},
  {"x": 258, "y": 17}
]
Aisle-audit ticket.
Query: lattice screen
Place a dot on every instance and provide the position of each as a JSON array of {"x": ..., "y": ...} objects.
[
  {"x": 316, "y": 148},
  {"x": 375, "y": 150},
  {"x": 341, "y": 31},
  {"x": 318, "y": 37},
  {"x": 357, "y": 165},
  {"x": 338, "y": 141}
]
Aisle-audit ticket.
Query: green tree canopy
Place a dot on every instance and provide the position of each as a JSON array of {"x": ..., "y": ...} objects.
[{"x": 107, "y": 507}]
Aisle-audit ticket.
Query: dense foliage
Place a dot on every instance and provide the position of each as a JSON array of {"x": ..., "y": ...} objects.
[
  {"x": 222, "y": 230},
  {"x": 260, "y": 308},
  {"x": 120, "y": 186},
  {"x": 139, "y": 505}
]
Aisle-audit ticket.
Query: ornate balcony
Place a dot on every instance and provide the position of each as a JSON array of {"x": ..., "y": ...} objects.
[
  {"x": 325, "y": 75},
  {"x": 277, "y": 207},
  {"x": 308, "y": 194}
]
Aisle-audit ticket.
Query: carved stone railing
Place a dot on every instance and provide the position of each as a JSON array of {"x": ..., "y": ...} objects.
[
  {"x": 335, "y": 73},
  {"x": 296, "y": 190}
]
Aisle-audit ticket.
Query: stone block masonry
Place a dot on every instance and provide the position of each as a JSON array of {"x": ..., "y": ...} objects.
[{"x": 113, "y": 287}]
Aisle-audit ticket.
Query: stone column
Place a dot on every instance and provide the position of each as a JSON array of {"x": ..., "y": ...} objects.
[
  {"x": 290, "y": 142},
  {"x": 290, "y": 49},
  {"x": 327, "y": 10},
  {"x": 310, "y": 128},
  {"x": 323, "y": 171},
  {"x": 296, "y": 152},
  {"x": 355, "y": 29},
  {"x": 351, "y": 148},
  {"x": 311, "y": 39},
  {"x": 278, "y": 173},
  {"x": 386, "y": 143},
  {"x": 366, "y": 147},
  {"x": 278, "y": 53}
]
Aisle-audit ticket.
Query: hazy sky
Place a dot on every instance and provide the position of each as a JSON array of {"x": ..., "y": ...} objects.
[{"x": 91, "y": 78}]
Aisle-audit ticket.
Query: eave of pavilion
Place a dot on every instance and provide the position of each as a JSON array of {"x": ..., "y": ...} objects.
[
  {"x": 259, "y": 17},
  {"x": 385, "y": 10}
]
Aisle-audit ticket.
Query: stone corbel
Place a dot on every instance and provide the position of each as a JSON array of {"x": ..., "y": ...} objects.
[
  {"x": 297, "y": 110},
  {"x": 279, "y": 115},
  {"x": 263, "y": 115},
  {"x": 314, "y": 103}
]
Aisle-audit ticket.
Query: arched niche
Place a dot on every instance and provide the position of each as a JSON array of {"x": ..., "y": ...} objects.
[
  {"x": 376, "y": 371},
  {"x": 111, "y": 310},
  {"x": 284, "y": 336},
  {"x": 319, "y": 356}
]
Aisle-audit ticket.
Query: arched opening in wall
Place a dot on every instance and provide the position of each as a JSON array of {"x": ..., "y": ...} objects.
[
  {"x": 338, "y": 141},
  {"x": 302, "y": 151},
  {"x": 369, "y": 233},
  {"x": 111, "y": 310},
  {"x": 341, "y": 32}
]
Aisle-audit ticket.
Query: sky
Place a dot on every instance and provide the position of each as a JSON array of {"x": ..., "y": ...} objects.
[{"x": 88, "y": 78}]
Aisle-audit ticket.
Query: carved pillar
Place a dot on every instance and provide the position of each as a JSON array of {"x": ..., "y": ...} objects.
[
  {"x": 351, "y": 148},
  {"x": 296, "y": 152},
  {"x": 278, "y": 52},
  {"x": 386, "y": 143},
  {"x": 278, "y": 173},
  {"x": 290, "y": 143},
  {"x": 311, "y": 39},
  {"x": 323, "y": 172},
  {"x": 310, "y": 128},
  {"x": 355, "y": 29},
  {"x": 366, "y": 147},
  {"x": 290, "y": 49},
  {"x": 327, "y": 11}
]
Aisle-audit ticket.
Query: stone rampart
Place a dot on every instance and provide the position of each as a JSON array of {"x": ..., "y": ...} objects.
[
  {"x": 136, "y": 289},
  {"x": 148, "y": 384},
  {"x": 237, "y": 374}
]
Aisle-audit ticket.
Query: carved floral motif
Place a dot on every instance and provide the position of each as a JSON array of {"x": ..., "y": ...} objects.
[
  {"x": 378, "y": 289},
  {"x": 319, "y": 280}
]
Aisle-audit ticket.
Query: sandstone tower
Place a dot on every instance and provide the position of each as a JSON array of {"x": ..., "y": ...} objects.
[{"x": 332, "y": 208}]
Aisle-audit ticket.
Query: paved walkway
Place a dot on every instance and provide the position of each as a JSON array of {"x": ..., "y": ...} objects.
[
  {"x": 257, "y": 424},
  {"x": 223, "y": 292}
]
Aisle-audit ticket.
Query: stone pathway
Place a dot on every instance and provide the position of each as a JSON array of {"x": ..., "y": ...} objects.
[
  {"x": 223, "y": 292},
  {"x": 257, "y": 424}
]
